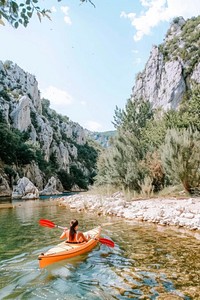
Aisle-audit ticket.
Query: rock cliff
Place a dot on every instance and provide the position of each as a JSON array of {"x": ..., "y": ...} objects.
[
  {"x": 55, "y": 135},
  {"x": 172, "y": 68}
]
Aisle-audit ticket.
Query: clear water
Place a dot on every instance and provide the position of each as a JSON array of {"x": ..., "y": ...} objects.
[{"x": 148, "y": 262}]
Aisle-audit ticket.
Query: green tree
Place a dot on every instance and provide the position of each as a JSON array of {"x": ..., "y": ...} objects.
[
  {"x": 11, "y": 174},
  {"x": 188, "y": 113},
  {"x": 66, "y": 179},
  {"x": 53, "y": 161},
  {"x": 87, "y": 155},
  {"x": 12, "y": 147},
  {"x": 78, "y": 177},
  {"x": 190, "y": 109},
  {"x": 75, "y": 177},
  {"x": 121, "y": 164},
  {"x": 134, "y": 117},
  {"x": 8, "y": 144},
  {"x": 24, "y": 154},
  {"x": 153, "y": 134},
  {"x": 181, "y": 158},
  {"x": 17, "y": 13}
]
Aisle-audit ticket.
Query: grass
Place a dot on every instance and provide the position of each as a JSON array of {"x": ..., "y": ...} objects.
[{"x": 168, "y": 192}]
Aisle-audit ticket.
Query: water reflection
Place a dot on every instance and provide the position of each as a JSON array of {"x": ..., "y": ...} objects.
[{"x": 148, "y": 262}]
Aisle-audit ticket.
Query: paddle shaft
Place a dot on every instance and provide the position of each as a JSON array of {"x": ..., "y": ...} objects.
[
  {"x": 63, "y": 228},
  {"x": 50, "y": 224}
]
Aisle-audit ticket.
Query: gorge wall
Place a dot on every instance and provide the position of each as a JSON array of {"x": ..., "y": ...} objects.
[
  {"x": 22, "y": 108},
  {"x": 173, "y": 67}
]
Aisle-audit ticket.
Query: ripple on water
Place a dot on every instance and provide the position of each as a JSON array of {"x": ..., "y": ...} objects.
[{"x": 148, "y": 262}]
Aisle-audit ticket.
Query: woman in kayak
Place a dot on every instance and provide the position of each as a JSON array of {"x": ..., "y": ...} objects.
[{"x": 72, "y": 235}]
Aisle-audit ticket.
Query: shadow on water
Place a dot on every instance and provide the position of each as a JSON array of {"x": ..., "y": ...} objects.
[
  {"x": 9, "y": 200},
  {"x": 148, "y": 262},
  {"x": 4, "y": 200},
  {"x": 43, "y": 197}
]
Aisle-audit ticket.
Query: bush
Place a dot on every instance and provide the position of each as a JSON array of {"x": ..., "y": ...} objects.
[
  {"x": 181, "y": 158},
  {"x": 75, "y": 177}
]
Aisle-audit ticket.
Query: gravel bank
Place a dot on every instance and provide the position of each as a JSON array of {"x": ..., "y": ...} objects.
[{"x": 172, "y": 211}]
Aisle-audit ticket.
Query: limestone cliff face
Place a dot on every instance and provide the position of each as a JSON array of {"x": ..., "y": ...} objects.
[
  {"x": 172, "y": 67},
  {"x": 22, "y": 108}
]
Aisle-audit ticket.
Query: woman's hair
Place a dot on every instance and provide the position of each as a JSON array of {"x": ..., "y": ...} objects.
[{"x": 72, "y": 230}]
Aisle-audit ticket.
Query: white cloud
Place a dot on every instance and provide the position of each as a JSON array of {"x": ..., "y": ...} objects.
[
  {"x": 137, "y": 61},
  {"x": 93, "y": 126},
  {"x": 65, "y": 10},
  {"x": 156, "y": 11},
  {"x": 53, "y": 9},
  {"x": 83, "y": 103},
  {"x": 59, "y": 99}
]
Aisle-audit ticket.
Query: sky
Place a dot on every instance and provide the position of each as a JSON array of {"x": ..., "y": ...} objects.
[{"x": 86, "y": 58}]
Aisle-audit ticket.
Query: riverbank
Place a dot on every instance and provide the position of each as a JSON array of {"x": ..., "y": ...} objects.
[{"x": 162, "y": 211}]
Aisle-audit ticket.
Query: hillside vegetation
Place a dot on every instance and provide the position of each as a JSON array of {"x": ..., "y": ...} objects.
[{"x": 157, "y": 147}]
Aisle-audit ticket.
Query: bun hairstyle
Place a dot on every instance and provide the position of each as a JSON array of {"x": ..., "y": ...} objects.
[{"x": 72, "y": 230}]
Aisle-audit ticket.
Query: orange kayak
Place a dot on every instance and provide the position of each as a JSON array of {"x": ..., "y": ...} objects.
[{"x": 66, "y": 250}]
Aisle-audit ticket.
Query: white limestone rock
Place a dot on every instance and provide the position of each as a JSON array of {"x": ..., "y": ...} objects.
[
  {"x": 4, "y": 108},
  {"x": 34, "y": 174},
  {"x": 50, "y": 188},
  {"x": 21, "y": 114},
  {"x": 175, "y": 28},
  {"x": 25, "y": 189},
  {"x": 161, "y": 83},
  {"x": 21, "y": 82},
  {"x": 45, "y": 136},
  {"x": 196, "y": 74},
  {"x": 62, "y": 155}
]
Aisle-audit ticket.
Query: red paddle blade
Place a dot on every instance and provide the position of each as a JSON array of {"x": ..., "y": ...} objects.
[
  {"x": 47, "y": 223},
  {"x": 107, "y": 242}
]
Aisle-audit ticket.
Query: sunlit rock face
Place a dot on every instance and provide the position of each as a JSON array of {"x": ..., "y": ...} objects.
[
  {"x": 196, "y": 74},
  {"x": 22, "y": 108},
  {"x": 161, "y": 83},
  {"x": 50, "y": 188},
  {"x": 169, "y": 71},
  {"x": 25, "y": 189},
  {"x": 21, "y": 114},
  {"x": 32, "y": 171}
]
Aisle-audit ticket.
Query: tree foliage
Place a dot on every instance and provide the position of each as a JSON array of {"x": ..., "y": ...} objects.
[
  {"x": 181, "y": 158},
  {"x": 154, "y": 148},
  {"x": 125, "y": 170},
  {"x": 73, "y": 178},
  {"x": 87, "y": 155},
  {"x": 13, "y": 149},
  {"x": 134, "y": 117},
  {"x": 17, "y": 13},
  {"x": 121, "y": 164}
]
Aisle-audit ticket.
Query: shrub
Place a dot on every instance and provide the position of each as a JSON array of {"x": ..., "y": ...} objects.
[{"x": 181, "y": 158}]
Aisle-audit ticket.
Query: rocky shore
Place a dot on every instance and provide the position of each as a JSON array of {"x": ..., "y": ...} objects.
[{"x": 162, "y": 211}]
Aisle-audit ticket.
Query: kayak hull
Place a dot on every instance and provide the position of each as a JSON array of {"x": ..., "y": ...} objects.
[{"x": 68, "y": 250}]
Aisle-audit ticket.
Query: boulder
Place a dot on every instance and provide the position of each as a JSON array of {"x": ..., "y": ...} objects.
[
  {"x": 25, "y": 189},
  {"x": 50, "y": 188}
]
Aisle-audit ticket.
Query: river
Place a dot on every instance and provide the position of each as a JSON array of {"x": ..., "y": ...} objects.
[{"x": 147, "y": 262}]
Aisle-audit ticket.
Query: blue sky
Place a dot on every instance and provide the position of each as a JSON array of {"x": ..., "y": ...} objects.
[{"x": 86, "y": 59}]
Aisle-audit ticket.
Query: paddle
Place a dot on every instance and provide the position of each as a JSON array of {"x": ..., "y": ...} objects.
[
  {"x": 47, "y": 223},
  {"x": 50, "y": 224}
]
